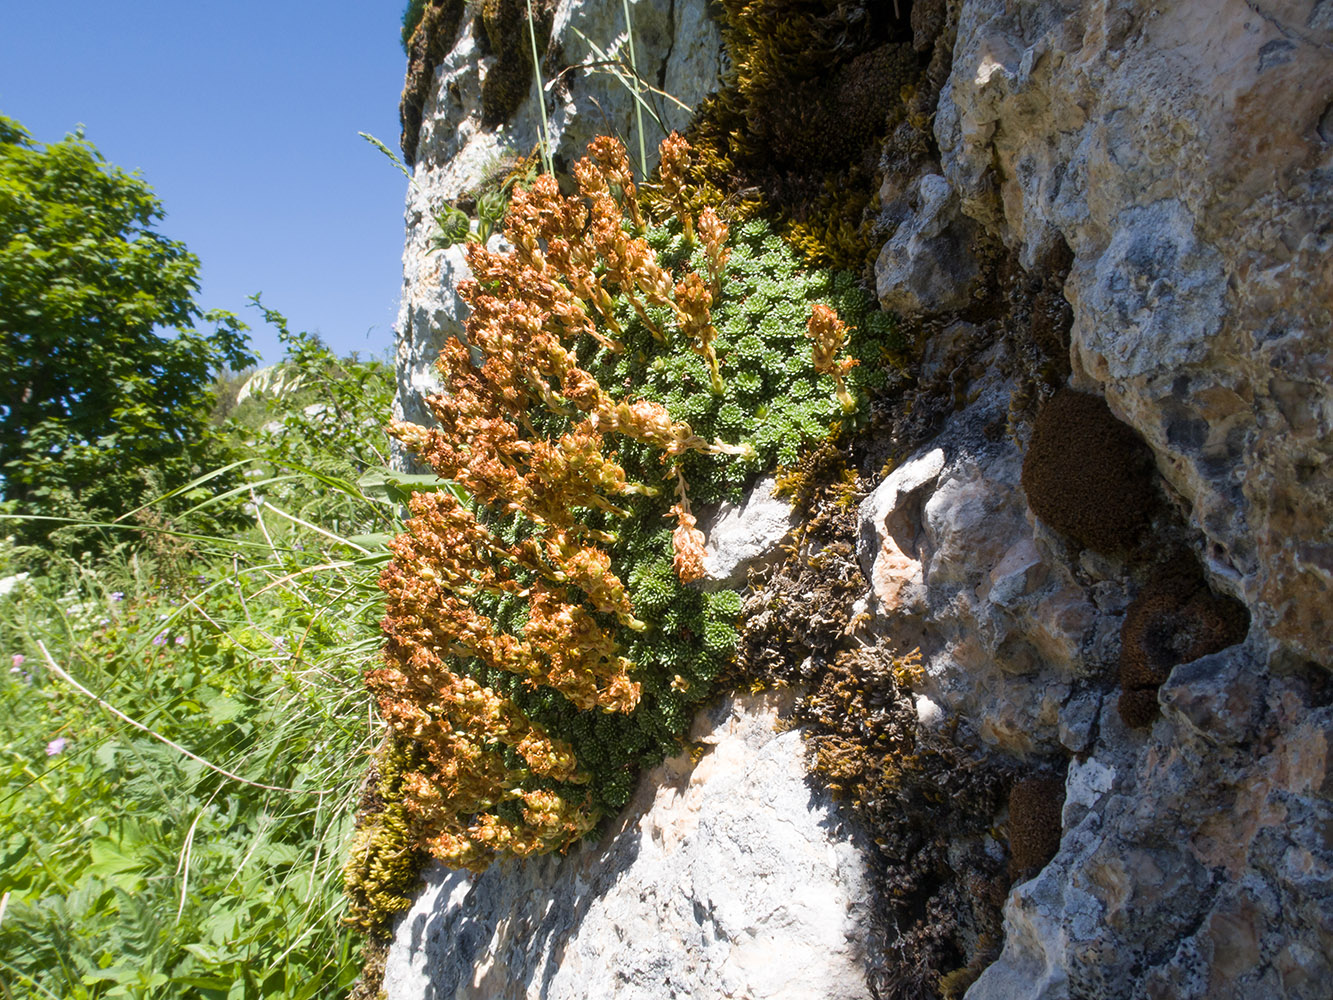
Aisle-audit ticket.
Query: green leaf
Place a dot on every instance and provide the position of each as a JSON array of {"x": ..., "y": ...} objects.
[{"x": 111, "y": 863}]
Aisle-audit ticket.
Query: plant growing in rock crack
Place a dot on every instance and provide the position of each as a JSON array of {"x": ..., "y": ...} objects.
[
  {"x": 454, "y": 225},
  {"x": 541, "y": 646}
]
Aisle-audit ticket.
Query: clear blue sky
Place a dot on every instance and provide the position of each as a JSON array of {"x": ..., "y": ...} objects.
[{"x": 243, "y": 117}]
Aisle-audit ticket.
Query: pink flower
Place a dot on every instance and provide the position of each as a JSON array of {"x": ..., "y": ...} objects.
[
  {"x": 18, "y": 662},
  {"x": 56, "y": 746}
]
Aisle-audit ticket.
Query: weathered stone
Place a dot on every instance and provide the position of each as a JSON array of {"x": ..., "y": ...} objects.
[
  {"x": 949, "y": 552},
  {"x": 891, "y": 529},
  {"x": 928, "y": 264},
  {"x": 1186, "y": 870},
  {"x": 722, "y": 878},
  {"x": 743, "y": 538},
  {"x": 1202, "y": 277}
]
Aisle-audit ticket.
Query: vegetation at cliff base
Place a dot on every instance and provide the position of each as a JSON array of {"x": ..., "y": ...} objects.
[{"x": 183, "y": 727}]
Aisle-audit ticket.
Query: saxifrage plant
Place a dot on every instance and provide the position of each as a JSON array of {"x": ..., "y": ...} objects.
[{"x": 542, "y": 646}]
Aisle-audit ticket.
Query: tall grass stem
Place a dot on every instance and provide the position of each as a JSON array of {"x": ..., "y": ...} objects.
[
  {"x": 541, "y": 92},
  {"x": 638, "y": 101}
]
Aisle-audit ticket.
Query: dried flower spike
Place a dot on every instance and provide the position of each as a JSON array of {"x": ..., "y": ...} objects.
[{"x": 829, "y": 332}]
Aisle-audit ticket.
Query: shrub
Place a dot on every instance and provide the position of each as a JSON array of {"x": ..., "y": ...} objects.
[{"x": 541, "y": 645}]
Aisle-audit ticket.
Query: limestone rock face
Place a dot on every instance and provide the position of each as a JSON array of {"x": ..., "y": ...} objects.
[
  {"x": 1185, "y": 158},
  {"x": 1190, "y": 866},
  {"x": 927, "y": 266},
  {"x": 725, "y": 877},
  {"x": 677, "y": 47},
  {"x": 745, "y": 537}
]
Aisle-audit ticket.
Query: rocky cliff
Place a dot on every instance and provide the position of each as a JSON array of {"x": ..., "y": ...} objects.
[{"x": 1096, "y": 500}]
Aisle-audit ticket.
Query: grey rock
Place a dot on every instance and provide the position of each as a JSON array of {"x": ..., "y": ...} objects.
[
  {"x": 745, "y": 537},
  {"x": 1181, "y": 160},
  {"x": 928, "y": 264},
  {"x": 726, "y": 877}
]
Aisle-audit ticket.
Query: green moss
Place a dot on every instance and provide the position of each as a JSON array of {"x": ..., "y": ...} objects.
[
  {"x": 795, "y": 133},
  {"x": 434, "y": 25},
  {"x": 505, "y": 23},
  {"x": 412, "y": 15},
  {"x": 384, "y": 862}
]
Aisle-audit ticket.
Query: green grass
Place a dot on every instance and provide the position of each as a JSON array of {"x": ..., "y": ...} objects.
[{"x": 183, "y": 732}]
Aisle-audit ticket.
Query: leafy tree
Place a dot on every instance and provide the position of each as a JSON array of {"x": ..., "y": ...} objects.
[{"x": 105, "y": 384}]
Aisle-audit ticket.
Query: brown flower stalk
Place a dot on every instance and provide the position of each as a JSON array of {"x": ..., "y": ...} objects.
[{"x": 829, "y": 332}]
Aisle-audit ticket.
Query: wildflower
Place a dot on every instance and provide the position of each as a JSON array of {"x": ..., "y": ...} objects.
[
  {"x": 688, "y": 542},
  {"x": 160, "y": 639},
  {"x": 18, "y": 662},
  {"x": 117, "y": 595},
  {"x": 56, "y": 746},
  {"x": 180, "y": 640}
]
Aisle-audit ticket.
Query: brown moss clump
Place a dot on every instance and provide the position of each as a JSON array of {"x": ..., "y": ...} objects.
[
  {"x": 927, "y": 797},
  {"x": 1087, "y": 474},
  {"x": 505, "y": 23},
  {"x": 430, "y": 42},
  {"x": 1174, "y": 620},
  {"x": 1035, "y": 807}
]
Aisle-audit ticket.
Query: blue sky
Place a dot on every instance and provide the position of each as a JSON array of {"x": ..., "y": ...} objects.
[{"x": 243, "y": 117}]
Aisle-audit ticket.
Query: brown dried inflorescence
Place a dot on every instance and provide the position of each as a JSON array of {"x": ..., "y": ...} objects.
[
  {"x": 1174, "y": 620},
  {"x": 1087, "y": 474},
  {"x": 829, "y": 334}
]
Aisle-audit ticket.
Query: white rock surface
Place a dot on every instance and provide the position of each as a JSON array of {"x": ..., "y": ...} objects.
[
  {"x": 724, "y": 878},
  {"x": 743, "y": 537}
]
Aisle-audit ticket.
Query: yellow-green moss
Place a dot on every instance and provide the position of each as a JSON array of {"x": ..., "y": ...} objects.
[
  {"x": 797, "y": 131},
  {"x": 384, "y": 864}
]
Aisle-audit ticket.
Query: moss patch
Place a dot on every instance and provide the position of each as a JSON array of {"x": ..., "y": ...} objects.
[
  {"x": 927, "y": 797},
  {"x": 433, "y": 32},
  {"x": 1088, "y": 475},
  {"x": 1175, "y": 619},
  {"x": 1035, "y": 807},
  {"x": 796, "y": 133},
  {"x": 505, "y": 23}
]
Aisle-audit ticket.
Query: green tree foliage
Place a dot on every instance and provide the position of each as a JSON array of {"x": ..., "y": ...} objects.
[{"x": 105, "y": 384}]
